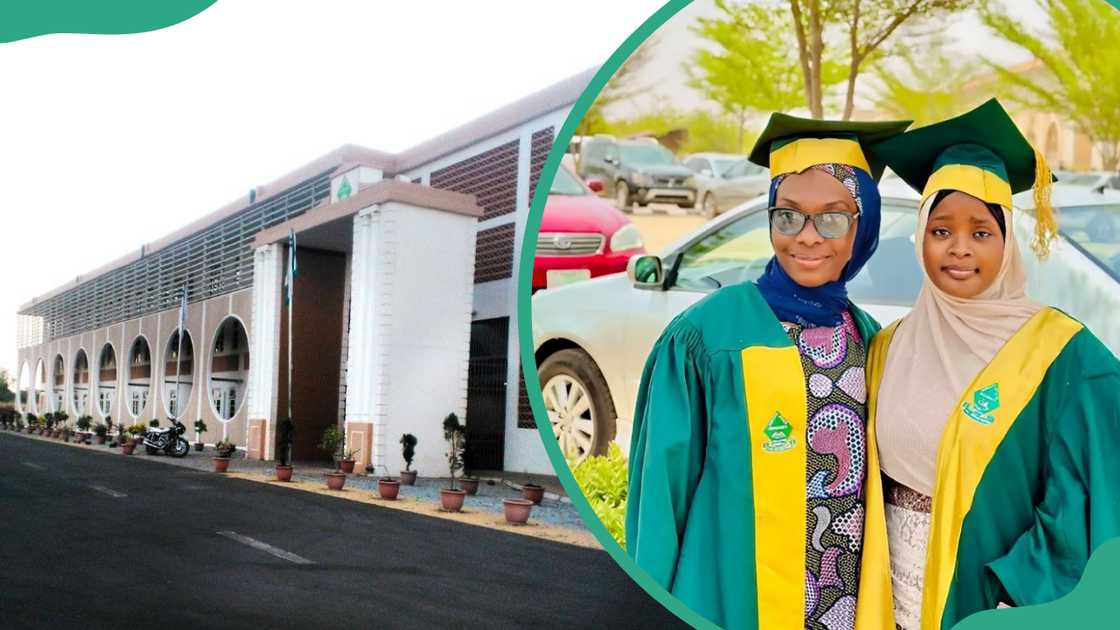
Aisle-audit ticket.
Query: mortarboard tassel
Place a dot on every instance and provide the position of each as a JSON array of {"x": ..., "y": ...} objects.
[{"x": 1046, "y": 225}]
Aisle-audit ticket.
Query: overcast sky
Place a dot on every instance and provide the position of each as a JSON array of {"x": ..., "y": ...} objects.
[{"x": 108, "y": 142}]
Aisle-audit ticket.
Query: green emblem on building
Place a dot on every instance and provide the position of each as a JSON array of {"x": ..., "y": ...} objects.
[
  {"x": 344, "y": 189},
  {"x": 778, "y": 431},
  {"x": 984, "y": 402}
]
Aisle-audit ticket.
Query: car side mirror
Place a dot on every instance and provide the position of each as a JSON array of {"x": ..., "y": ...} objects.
[
  {"x": 610, "y": 160},
  {"x": 596, "y": 185},
  {"x": 646, "y": 272}
]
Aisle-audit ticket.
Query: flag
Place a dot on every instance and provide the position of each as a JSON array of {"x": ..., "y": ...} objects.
[{"x": 293, "y": 269}]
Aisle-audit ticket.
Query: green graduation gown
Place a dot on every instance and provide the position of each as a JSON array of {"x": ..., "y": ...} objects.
[
  {"x": 717, "y": 492},
  {"x": 1027, "y": 481}
]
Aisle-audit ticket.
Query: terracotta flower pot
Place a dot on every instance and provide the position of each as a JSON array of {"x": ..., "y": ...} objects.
[
  {"x": 517, "y": 510},
  {"x": 388, "y": 488},
  {"x": 221, "y": 464},
  {"x": 198, "y": 446},
  {"x": 347, "y": 465},
  {"x": 452, "y": 500},
  {"x": 335, "y": 480},
  {"x": 101, "y": 439},
  {"x": 469, "y": 485},
  {"x": 283, "y": 473},
  {"x": 408, "y": 477},
  {"x": 532, "y": 492},
  {"x": 127, "y": 448}
]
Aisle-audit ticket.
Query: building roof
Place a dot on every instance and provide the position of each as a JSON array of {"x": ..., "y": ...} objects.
[{"x": 559, "y": 95}]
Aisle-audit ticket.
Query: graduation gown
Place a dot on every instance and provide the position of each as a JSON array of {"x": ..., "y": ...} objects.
[
  {"x": 1027, "y": 482},
  {"x": 716, "y": 509}
]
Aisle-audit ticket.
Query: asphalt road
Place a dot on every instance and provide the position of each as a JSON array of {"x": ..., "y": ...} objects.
[{"x": 96, "y": 540}]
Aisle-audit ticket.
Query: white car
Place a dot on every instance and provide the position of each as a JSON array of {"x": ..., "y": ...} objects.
[
  {"x": 592, "y": 339},
  {"x": 724, "y": 181}
]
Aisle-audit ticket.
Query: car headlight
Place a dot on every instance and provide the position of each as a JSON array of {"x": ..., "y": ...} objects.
[
  {"x": 626, "y": 238},
  {"x": 640, "y": 179}
]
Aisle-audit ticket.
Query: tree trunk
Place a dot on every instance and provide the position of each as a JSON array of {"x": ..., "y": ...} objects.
[
  {"x": 802, "y": 51},
  {"x": 742, "y": 122},
  {"x": 816, "y": 52},
  {"x": 853, "y": 68}
]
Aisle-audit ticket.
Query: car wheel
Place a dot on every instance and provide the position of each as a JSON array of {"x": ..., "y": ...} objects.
[
  {"x": 709, "y": 206},
  {"x": 578, "y": 403},
  {"x": 622, "y": 196}
]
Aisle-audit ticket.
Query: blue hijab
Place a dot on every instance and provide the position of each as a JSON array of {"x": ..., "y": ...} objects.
[{"x": 823, "y": 305}]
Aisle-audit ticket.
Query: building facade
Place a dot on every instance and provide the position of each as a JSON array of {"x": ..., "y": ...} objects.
[{"x": 403, "y": 309}]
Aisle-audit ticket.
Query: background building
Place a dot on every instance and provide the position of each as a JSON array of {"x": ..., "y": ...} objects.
[{"x": 404, "y": 309}]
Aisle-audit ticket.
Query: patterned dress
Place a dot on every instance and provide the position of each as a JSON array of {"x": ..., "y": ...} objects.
[{"x": 833, "y": 360}]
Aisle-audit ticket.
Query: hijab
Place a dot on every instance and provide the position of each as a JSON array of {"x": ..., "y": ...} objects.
[
  {"x": 936, "y": 352},
  {"x": 823, "y": 305}
]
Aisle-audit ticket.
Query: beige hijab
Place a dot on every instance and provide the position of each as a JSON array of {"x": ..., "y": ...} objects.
[{"x": 936, "y": 352}]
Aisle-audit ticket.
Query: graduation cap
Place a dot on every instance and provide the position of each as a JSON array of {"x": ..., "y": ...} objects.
[
  {"x": 981, "y": 153},
  {"x": 790, "y": 144}
]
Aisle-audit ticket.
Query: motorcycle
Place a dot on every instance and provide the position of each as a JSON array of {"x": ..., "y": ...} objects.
[{"x": 170, "y": 440}]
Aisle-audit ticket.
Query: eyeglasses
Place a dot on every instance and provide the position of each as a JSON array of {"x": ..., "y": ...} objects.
[{"x": 790, "y": 222}]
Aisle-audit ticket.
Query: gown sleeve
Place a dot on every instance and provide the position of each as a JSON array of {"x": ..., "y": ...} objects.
[
  {"x": 666, "y": 451},
  {"x": 1080, "y": 506}
]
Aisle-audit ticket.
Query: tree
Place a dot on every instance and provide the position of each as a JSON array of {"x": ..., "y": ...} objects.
[
  {"x": 862, "y": 27},
  {"x": 929, "y": 89},
  {"x": 747, "y": 68},
  {"x": 6, "y": 393},
  {"x": 1081, "y": 55},
  {"x": 621, "y": 86},
  {"x": 706, "y": 131}
]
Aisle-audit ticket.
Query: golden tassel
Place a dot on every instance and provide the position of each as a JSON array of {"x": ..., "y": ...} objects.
[{"x": 1046, "y": 223}]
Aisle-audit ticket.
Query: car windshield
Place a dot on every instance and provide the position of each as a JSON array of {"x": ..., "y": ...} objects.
[
  {"x": 1095, "y": 230},
  {"x": 650, "y": 154},
  {"x": 723, "y": 164},
  {"x": 742, "y": 168},
  {"x": 740, "y": 250},
  {"x": 566, "y": 184}
]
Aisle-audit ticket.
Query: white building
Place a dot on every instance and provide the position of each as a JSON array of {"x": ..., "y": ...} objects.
[{"x": 404, "y": 309}]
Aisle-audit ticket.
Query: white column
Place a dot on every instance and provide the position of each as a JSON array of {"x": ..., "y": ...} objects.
[
  {"x": 267, "y": 263},
  {"x": 363, "y": 378}
]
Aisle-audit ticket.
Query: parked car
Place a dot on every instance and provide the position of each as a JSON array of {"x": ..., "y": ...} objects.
[
  {"x": 591, "y": 341},
  {"x": 636, "y": 171},
  {"x": 724, "y": 181},
  {"x": 1093, "y": 180},
  {"x": 581, "y": 235}
]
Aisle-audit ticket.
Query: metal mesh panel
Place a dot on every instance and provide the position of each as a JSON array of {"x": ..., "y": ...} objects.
[
  {"x": 539, "y": 146},
  {"x": 491, "y": 176},
  {"x": 216, "y": 261},
  {"x": 493, "y": 254}
]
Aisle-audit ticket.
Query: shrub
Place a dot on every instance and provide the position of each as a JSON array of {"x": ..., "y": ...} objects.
[
  {"x": 333, "y": 442},
  {"x": 455, "y": 434},
  {"x": 408, "y": 449},
  {"x": 225, "y": 448},
  {"x": 84, "y": 422},
  {"x": 603, "y": 480},
  {"x": 101, "y": 430}
]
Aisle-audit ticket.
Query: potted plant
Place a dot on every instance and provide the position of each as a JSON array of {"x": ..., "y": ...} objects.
[
  {"x": 333, "y": 442},
  {"x": 102, "y": 432},
  {"x": 452, "y": 498},
  {"x": 225, "y": 450},
  {"x": 408, "y": 451},
  {"x": 127, "y": 445},
  {"x": 108, "y": 428},
  {"x": 388, "y": 488},
  {"x": 284, "y": 464},
  {"x": 532, "y": 492},
  {"x": 137, "y": 431},
  {"x": 346, "y": 461},
  {"x": 83, "y": 423},
  {"x": 199, "y": 429},
  {"x": 517, "y": 510}
]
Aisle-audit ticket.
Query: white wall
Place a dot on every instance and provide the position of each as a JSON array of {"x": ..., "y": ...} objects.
[{"x": 427, "y": 341}]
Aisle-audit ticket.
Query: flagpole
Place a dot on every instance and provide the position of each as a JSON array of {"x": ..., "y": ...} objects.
[
  {"x": 291, "y": 307},
  {"x": 179, "y": 353}
]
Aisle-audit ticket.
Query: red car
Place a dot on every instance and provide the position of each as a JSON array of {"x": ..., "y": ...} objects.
[{"x": 581, "y": 235}]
